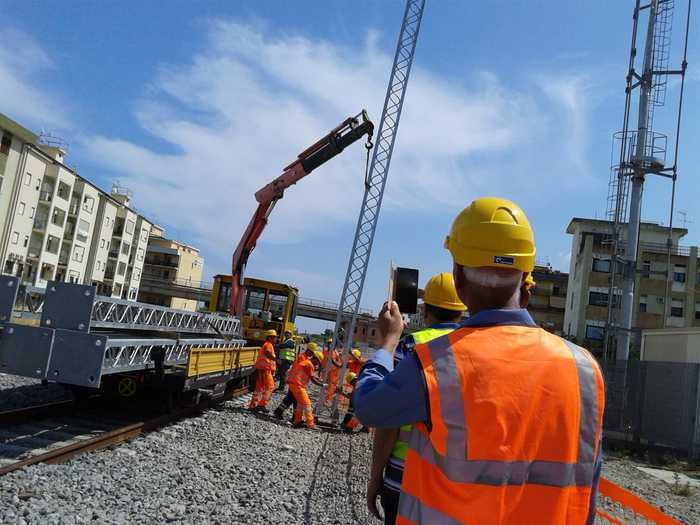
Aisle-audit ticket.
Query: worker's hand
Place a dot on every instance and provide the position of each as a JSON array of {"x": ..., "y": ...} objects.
[
  {"x": 390, "y": 324},
  {"x": 374, "y": 489}
]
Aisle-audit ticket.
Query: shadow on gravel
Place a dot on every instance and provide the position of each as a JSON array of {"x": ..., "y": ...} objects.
[
  {"x": 312, "y": 488},
  {"x": 348, "y": 484}
]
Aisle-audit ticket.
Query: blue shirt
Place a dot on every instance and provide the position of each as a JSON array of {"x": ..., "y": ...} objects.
[{"x": 388, "y": 397}]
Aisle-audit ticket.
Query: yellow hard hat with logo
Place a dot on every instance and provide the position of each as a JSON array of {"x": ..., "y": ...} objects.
[
  {"x": 530, "y": 281},
  {"x": 356, "y": 353},
  {"x": 271, "y": 333},
  {"x": 312, "y": 346},
  {"x": 492, "y": 232},
  {"x": 441, "y": 292},
  {"x": 350, "y": 377},
  {"x": 318, "y": 355}
]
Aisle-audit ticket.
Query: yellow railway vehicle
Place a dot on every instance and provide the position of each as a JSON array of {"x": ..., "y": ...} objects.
[{"x": 268, "y": 305}]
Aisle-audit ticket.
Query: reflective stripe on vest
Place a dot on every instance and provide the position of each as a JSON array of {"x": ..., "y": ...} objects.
[
  {"x": 288, "y": 354},
  {"x": 401, "y": 445},
  {"x": 299, "y": 375},
  {"x": 555, "y": 477}
]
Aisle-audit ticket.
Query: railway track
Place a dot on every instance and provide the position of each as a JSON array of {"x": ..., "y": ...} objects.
[{"x": 56, "y": 432}]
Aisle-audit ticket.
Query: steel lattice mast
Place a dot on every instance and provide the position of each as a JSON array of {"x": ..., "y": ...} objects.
[{"x": 375, "y": 184}]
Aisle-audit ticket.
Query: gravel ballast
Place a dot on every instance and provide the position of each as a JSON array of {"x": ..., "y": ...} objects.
[
  {"x": 20, "y": 392},
  {"x": 231, "y": 466}
]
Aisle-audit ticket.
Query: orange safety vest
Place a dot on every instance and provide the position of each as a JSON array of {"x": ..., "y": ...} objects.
[
  {"x": 264, "y": 362},
  {"x": 516, "y": 416},
  {"x": 301, "y": 372}
]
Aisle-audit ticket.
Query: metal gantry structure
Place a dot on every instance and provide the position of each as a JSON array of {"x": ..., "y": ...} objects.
[
  {"x": 375, "y": 183},
  {"x": 642, "y": 151}
]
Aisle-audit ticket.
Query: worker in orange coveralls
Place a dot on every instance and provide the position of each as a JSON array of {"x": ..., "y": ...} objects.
[
  {"x": 289, "y": 399},
  {"x": 264, "y": 374},
  {"x": 350, "y": 422},
  {"x": 299, "y": 376},
  {"x": 355, "y": 362},
  {"x": 333, "y": 373}
]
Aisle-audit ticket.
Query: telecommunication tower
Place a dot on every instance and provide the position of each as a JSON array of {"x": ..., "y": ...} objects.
[
  {"x": 375, "y": 183},
  {"x": 642, "y": 151}
]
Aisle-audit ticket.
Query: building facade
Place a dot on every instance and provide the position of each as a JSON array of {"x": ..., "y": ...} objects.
[
  {"x": 590, "y": 275},
  {"x": 548, "y": 298},
  {"x": 174, "y": 263},
  {"x": 56, "y": 225}
]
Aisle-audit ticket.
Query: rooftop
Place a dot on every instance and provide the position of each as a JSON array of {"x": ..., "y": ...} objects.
[{"x": 649, "y": 226}]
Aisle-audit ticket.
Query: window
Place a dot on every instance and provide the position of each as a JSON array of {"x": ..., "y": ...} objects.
[
  {"x": 26, "y": 241},
  {"x": 144, "y": 235},
  {"x": 121, "y": 269},
  {"x": 20, "y": 208},
  {"x": 136, "y": 275},
  {"x": 697, "y": 310},
  {"x": 679, "y": 273},
  {"x": 5, "y": 144},
  {"x": 139, "y": 254},
  {"x": 73, "y": 277},
  {"x": 52, "y": 244},
  {"x": 646, "y": 268},
  {"x": 31, "y": 212},
  {"x": 130, "y": 225},
  {"x": 601, "y": 265},
  {"x": 63, "y": 191},
  {"x": 83, "y": 230},
  {"x": 132, "y": 294},
  {"x": 9, "y": 267},
  {"x": 126, "y": 248},
  {"x": 58, "y": 217},
  {"x": 373, "y": 332},
  {"x": 598, "y": 299},
  {"x": 643, "y": 304},
  {"x": 595, "y": 333},
  {"x": 676, "y": 308},
  {"x": 78, "y": 253},
  {"x": 27, "y": 179},
  {"x": 106, "y": 221},
  {"x": 88, "y": 203},
  {"x": 15, "y": 237}
]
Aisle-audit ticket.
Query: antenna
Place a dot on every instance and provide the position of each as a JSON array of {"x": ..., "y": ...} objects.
[
  {"x": 642, "y": 152},
  {"x": 684, "y": 218}
]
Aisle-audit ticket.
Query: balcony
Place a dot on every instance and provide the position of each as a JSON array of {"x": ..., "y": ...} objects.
[
  {"x": 74, "y": 208},
  {"x": 40, "y": 223},
  {"x": 109, "y": 273},
  {"x": 113, "y": 254},
  {"x": 46, "y": 196}
]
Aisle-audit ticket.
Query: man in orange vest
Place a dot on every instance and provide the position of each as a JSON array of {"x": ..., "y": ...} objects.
[
  {"x": 300, "y": 375},
  {"x": 507, "y": 418},
  {"x": 288, "y": 399},
  {"x": 264, "y": 374},
  {"x": 333, "y": 373}
]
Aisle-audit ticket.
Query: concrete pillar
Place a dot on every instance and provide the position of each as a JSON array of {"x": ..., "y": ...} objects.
[
  {"x": 690, "y": 281},
  {"x": 586, "y": 262}
]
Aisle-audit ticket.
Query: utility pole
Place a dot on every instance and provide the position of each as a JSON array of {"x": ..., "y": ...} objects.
[{"x": 639, "y": 163}]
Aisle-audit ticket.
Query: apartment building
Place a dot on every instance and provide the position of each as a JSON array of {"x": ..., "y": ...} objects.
[
  {"x": 56, "y": 225},
  {"x": 590, "y": 274},
  {"x": 548, "y": 298},
  {"x": 172, "y": 263}
]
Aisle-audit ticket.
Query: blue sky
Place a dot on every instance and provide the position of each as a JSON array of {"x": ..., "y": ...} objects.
[{"x": 198, "y": 105}]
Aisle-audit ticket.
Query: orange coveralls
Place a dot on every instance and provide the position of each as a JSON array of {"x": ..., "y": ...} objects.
[
  {"x": 299, "y": 376},
  {"x": 264, "y": 376},
  {"x": 333, "y": 375}
]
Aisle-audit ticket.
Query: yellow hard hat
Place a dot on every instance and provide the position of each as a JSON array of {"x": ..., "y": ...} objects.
[
  {"x": 356, "y": 353},
  {"x": 312, "y": 346},
  {"x": 318, "y": 354},
  {"x": 329, "y": 340},
  {"x": 530, "y": 281},
  {"x": 350, "y": 377},
  {"x": 441, "y": 292},
  {"x": 492, "y": 232},
  {"x": 271, "y": 333}
]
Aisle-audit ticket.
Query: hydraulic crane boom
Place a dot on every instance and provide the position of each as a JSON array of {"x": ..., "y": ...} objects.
[{"x": 348, "y": 132}]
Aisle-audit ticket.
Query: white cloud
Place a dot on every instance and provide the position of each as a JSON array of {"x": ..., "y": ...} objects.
[
  {"x": 22, "y": 64},
  {"x": 248, "y": 103}
]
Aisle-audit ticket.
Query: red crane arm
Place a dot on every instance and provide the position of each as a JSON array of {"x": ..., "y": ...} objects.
[{"x": 348, "y": 132}]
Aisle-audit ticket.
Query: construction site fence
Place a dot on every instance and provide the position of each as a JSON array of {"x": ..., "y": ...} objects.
[{"x": 653, "y": 405}]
